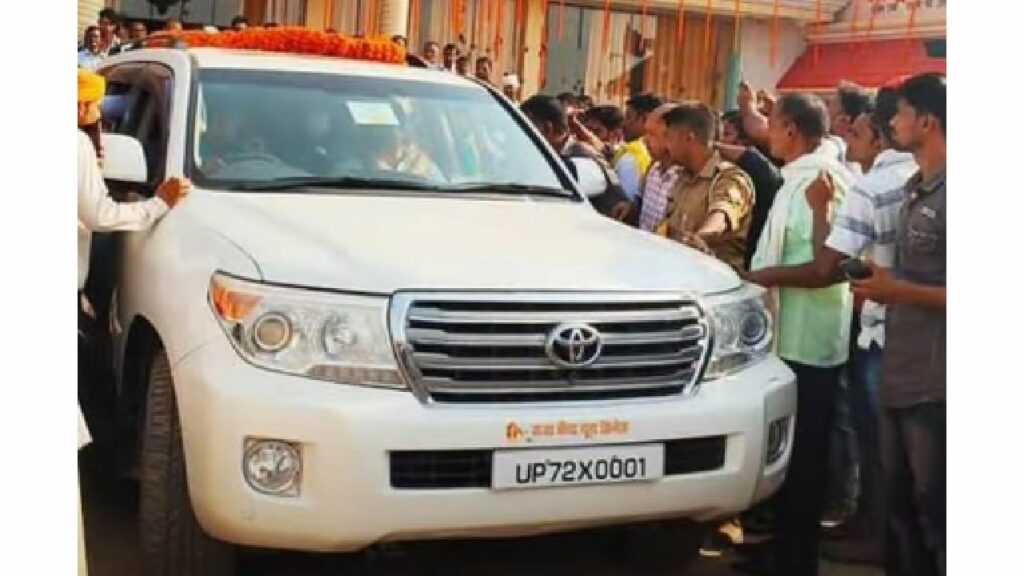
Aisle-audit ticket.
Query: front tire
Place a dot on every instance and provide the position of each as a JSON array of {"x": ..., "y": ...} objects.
[{"x": 173, "y": 543}]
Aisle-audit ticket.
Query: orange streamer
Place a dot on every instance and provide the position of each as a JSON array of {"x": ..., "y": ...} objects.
[
  {"x": 911, "y": 22},
  {"x": 605, "y": 24},
  {"x": 736, "y": 26},
  {"x": 643, "y": 19},
  {"x": 704, "y": 56},
  {"x": 414, "y": 20},
  {"x": 680, "y": 24},
  {"x": 817, "y": 28},
  {"x": 499, "y": 28},
  {"x": 855, "y": 6},
  {"x": 541, "y": 79}
]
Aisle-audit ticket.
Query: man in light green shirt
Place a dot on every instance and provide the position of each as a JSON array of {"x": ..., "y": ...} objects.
[{"x": 812, "y": 325}]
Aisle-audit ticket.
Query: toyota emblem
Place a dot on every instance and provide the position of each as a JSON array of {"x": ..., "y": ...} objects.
[{"x": 573, "y": 345}]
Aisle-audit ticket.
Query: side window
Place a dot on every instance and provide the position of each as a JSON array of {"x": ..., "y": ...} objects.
[{"x": 138, "y": 105}]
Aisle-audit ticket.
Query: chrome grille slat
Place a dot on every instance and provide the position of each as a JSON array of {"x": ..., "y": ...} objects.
[
  {"x": 440, "y": 337},
  {"x": 437, "y": 316},
  {"x": 540, "y": 362},
  {"x": 483, "y": 347},
  {"x": 489, "y": 386}
]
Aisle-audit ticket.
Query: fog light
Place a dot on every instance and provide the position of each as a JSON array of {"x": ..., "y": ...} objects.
[
  {"x": 777, "y": 434},
  {"x": 273, "y": 467}
]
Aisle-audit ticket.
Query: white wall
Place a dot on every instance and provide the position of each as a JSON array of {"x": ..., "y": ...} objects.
[{"x": 755, "y": 42}]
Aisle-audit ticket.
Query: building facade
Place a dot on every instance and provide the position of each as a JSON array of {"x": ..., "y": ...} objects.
[{"x": 680, "y": 49}]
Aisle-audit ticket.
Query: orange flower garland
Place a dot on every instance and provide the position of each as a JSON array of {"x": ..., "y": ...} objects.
[{"x": 294, "y": 40}]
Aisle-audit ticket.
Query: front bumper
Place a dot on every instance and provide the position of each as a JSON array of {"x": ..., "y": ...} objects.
[{"x": 345, "y": 432}]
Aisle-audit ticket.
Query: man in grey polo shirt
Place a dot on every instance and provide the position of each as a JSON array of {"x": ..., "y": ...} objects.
[{"x": 913, "y": 390}]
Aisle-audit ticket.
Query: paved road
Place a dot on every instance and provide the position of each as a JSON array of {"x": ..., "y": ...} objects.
[{"x": 113, "y": 551}]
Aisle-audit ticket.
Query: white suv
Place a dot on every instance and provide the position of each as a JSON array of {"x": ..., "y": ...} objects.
[{"x": 387, "y": 312}]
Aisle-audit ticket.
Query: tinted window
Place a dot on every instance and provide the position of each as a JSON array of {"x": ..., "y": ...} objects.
[{"x": 256, "y": 126}]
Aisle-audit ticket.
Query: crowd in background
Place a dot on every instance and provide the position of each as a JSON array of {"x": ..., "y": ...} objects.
[{"x": 838, "y": 209}]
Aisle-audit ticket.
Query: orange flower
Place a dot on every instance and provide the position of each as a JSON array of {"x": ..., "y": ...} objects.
[{"x": 295, "y": 40}]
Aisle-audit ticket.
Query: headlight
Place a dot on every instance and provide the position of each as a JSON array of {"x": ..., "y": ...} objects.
[
  {"x": 742, "y": 330},
  {"x": 336, "y": 337}
]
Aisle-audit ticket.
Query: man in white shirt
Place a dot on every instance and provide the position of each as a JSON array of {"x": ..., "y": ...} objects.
[
  {"x": 97, "y": 211},
  {"x": 865, "y": 225}
]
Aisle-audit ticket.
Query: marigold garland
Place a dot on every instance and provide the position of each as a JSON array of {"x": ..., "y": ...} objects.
[{"x": 295, "y": 40}]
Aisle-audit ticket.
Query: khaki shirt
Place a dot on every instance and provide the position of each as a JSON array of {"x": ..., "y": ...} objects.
[{"x": 719, "y": 186}]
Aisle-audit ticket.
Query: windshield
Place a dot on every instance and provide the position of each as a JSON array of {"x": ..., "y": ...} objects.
[{"x": 289, "y": 130}]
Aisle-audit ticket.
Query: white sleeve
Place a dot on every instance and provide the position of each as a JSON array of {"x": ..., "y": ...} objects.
[
  {"x": 853, "y": 229},
  {"x": 629, "y": 176},
  {"x": 97, "y": 211}
]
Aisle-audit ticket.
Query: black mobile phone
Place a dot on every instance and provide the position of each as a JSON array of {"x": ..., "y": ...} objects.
[{"x": 855, "y": 269}]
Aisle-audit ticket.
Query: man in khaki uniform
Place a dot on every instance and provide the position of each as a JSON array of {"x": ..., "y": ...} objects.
[{"x": 710, "y": 209}]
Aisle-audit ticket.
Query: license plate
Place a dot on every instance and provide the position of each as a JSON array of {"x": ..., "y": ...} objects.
[{"x": 577, "y": 466}]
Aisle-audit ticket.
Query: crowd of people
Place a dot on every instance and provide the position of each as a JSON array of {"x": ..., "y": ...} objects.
[
  {"x": 834, "y": 208},
  {"x": 837, "y": 208}
]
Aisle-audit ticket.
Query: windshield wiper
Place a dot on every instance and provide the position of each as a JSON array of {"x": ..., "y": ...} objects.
[
  {"x": 358, "y": 183},
  {"x": 511, "y": 188}
]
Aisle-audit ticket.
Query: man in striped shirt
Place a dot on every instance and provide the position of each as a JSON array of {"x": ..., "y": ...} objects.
[
  {"x": 662, "y": 176},
  {"x": 865, "y": 225}
]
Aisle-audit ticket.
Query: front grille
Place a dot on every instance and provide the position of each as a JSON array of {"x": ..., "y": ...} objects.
[
  {"x": 436, "y": 469},
  {"x": 491, "y": 348}
]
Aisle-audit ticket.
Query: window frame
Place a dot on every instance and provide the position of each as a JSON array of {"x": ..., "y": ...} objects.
[{"x": 157, "y": 81}]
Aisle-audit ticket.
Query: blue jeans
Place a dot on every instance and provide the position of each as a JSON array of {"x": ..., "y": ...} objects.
[
  {"x": 864, "y": 385},
  {"x": 844, "y": 474}
]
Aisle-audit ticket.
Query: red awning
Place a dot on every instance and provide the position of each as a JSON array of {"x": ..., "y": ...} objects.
[{"x": 869, "y": 64}]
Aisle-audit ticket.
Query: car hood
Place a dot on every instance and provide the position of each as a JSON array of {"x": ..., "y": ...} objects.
[{"x": 387, "y": 243}]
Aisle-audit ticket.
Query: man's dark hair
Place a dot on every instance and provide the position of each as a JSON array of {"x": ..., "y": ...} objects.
[
  {"x": 735, "y": 119},
  {"x": 109, "y": 14},
  {"x": 452, "y": 46},
  {"x": 546, "y": 109},
  {"x": 610, "y": 117},
  {"x": 806, "y": 112},
  {"x": 585, "y": 101},
  {"x": 698, "y": 117},
  {"x": 567, "y": 98},
  {"x": 85, "y": 34},
  {"x": 926, "y": 93},
  {"x": 886, "y": 106},
  {"x": 644, "y": 103},
  {"x": 239, "y": 20},
  {"x": 480, "y": 59},
  {"x": 854, "y": 100}
]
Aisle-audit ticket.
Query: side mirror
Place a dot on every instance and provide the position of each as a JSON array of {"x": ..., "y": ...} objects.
[
  {"x": 123, "y": 159},
  {"x": 589, "y": 176}
]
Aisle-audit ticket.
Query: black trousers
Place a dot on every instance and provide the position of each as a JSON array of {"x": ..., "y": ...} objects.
[
  {"x": 800, "y": 501},
  {"x": 914, "y": 457}
]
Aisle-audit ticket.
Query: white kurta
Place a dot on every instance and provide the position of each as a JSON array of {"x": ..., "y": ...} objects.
[{"x": 98, "y": 212}]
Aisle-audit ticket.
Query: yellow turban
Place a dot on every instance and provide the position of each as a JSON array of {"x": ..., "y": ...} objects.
[{"x": 91, "y": 86}]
